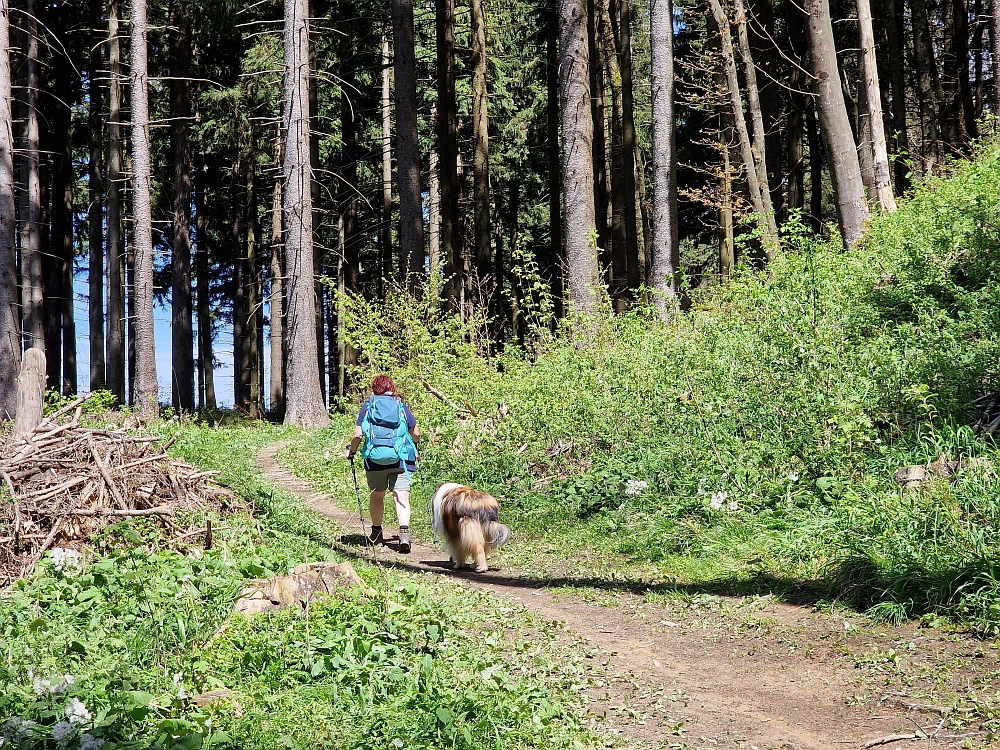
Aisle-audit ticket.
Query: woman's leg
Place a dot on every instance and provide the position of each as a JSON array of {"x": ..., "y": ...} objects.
[
  {"x": 376, "y": 504},
  {"x": 402, "y": 499}
]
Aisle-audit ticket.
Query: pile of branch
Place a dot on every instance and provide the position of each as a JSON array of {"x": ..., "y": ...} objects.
[{"x": 68, "y": 481}]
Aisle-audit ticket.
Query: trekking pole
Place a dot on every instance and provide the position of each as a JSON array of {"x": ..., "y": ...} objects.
[{"x": 361, "y": 512}]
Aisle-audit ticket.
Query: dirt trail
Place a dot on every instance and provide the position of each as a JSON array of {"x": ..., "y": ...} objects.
[{"x": 755, "y": 676}]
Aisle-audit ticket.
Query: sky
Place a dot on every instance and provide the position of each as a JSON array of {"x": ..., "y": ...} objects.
[{"x": 223, "y": 347}]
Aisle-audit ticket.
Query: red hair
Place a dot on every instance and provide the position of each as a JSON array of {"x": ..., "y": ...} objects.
[{"x": 383, "y": 384}]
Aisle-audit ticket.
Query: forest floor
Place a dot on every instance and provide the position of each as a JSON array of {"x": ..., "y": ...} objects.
[{"x": 707, "y": 671}]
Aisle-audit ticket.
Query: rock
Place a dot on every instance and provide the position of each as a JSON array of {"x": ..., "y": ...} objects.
[
  {"x": 940, "y": 468},
  {"x": 213, "y": 696},
  {"x": 305, "y": 583}
]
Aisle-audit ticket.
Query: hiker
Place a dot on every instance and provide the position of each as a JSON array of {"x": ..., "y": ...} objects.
[{"x": 390, "y": 454}]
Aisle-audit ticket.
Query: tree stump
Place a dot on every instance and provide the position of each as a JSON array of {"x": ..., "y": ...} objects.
[{"x": 30, "y": 392}]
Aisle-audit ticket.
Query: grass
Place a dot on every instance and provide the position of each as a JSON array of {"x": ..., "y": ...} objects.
[
  {"x": 767, "y": 423},
  {"x": 140, "y": 630}
]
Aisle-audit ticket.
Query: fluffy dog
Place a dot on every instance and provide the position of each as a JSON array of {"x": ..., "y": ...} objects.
[{"x": 468, "y": 520}]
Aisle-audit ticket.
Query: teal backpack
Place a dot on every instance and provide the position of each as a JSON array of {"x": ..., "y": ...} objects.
[{"x": 387, "y": 439}]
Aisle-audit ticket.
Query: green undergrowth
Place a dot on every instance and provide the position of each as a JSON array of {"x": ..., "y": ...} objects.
[
  {"x": 112, "y": 652},
  {"x": 749, "y": 444}
]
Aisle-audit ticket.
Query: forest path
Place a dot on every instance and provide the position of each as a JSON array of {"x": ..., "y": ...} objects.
[{"x": 743, "y": 674}]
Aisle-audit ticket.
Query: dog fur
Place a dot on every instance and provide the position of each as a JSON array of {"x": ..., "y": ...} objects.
[{"x": 468, "y": 521}]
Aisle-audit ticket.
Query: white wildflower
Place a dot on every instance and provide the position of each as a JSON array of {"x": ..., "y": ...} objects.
[
  {"x": 76, "y": 711},
  {"x": 179, "y": 686},
  {"x": 66, "y": 560},
  {"x": 635, "y": 486},
  {"x": 733, "y": 506},
  {"x": 62, "y": 730},
  {"x": 793, "y": 476},
  {"x": 397, "y": 742},
  {"x": 719, "y": 499},
  {"x": 41, "y": 685},
  {"x": 89, "y": 742}
]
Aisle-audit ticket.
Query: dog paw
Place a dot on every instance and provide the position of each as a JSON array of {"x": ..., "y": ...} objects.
[{"x": 482, "y": 568}]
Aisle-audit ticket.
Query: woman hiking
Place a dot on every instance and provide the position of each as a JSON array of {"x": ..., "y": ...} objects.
[{"x": 390, "y": 453}]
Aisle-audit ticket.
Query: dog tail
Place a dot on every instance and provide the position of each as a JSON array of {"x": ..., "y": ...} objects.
[{"x": 496, "y": 533}]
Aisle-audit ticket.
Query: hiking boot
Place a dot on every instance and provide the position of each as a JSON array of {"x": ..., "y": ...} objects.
[
  {"x": 375, "y": 537},
  {"x": 404, "y": 539}
]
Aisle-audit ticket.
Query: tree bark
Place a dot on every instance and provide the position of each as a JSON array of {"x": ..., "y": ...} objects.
[
  {"x": 598, "y": 114},
  {"x": 411, "y": 217},
  {"x": 277, "y": 302},
  {"x": 619, "y": 189},
  {"x": 95, "y": 180},
  {"x": 759, "y": 148},
  {"x": 815, "y": 168},
  {"x": 251, "y": 348},
  {"x": 434, "y": 216},
  {"x": 146, "y": 386},
  {"x": 757, "y": 186},
  {"x": 577, "y": 165},
  {"x": 182, "y": 339},
  {"x": 481, "y": 158},
  {"x": 621, "y": 19},
  {"x": 116, "y": 237},
  {"x": 796, "y": 111},
  {"x": 845, "y": 170},
  {"x": 304, "y": 399},
  {"x": 206, "y": 356},
  {"x": 666, "y": 248},
  {"x": 995, "y": 56},
  {"x": 385, "y": 230},
  {"x": 961, "y": 13},
  {"x": 897, "y": 62},
  {"x": 62, "y": 247},
  {"x": 447, "y": 134},
  {"x": 10, "y": 336},
  {"x": 32, "y": 301},
  {"x": 30, "y": 392},
  {"x": 554, "y": 262},
  {"x": 883, "y": 178},
  {"x": 727, "y": 241},
  {"x": 928, "y": 85}
]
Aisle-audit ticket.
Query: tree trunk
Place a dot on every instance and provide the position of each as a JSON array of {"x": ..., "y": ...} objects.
[
  {"x": 95, "y": 238},
  {"x": 182, "y": 339},
  {"x": 577, "y": 166},
  {"x": 995, "y": 54},
  {"x": 770, "y": 78},
  {"x": 10, "y": 337},
  {"x": 598, "y": 107},
  {"x": 961, "y": 12},
  {"x": 411, "y": 216},
  {"x": 883, "y": 178},
  {"x": 447, "y": 134},
  {"x": 116, "y": 236},
  {"x": 666, "y": 249},
  {"x": 277, "y": 302},
  {"x": 860, "y": 119},
  {"x": 796, "y": 111},
  {"x": 206, "y": 357},
  {"x": 385, "y": 230},
  {"x": 30, "y": 392},
  {"x": 251, "y": 347},
  {"x": 928, "y": 85},
  {"x": 757, "y": 186},
  {"x": 815, "y": 168},
  {"x": 554, "y": 262},
  {"x": 897, "y": 62},
  {"x": 727, "y": 242},
  {"x": 621, "y": 18},
  {"x": 146, "y": 386},
  {"x": 852, "y": 210},
  {"x": 349, "y": 265},
  {"x": 759, "y": 147},
  {"x": 481, "y": 159},
  {"x": 304, "y": 399},
  {"x": 619, "y": 189},
  {"x": 316, "y": 195},
  {"x": 32, "y": 301},
  {"x": 62, "y": 247},
  {"x": 434, "y": 215}
]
